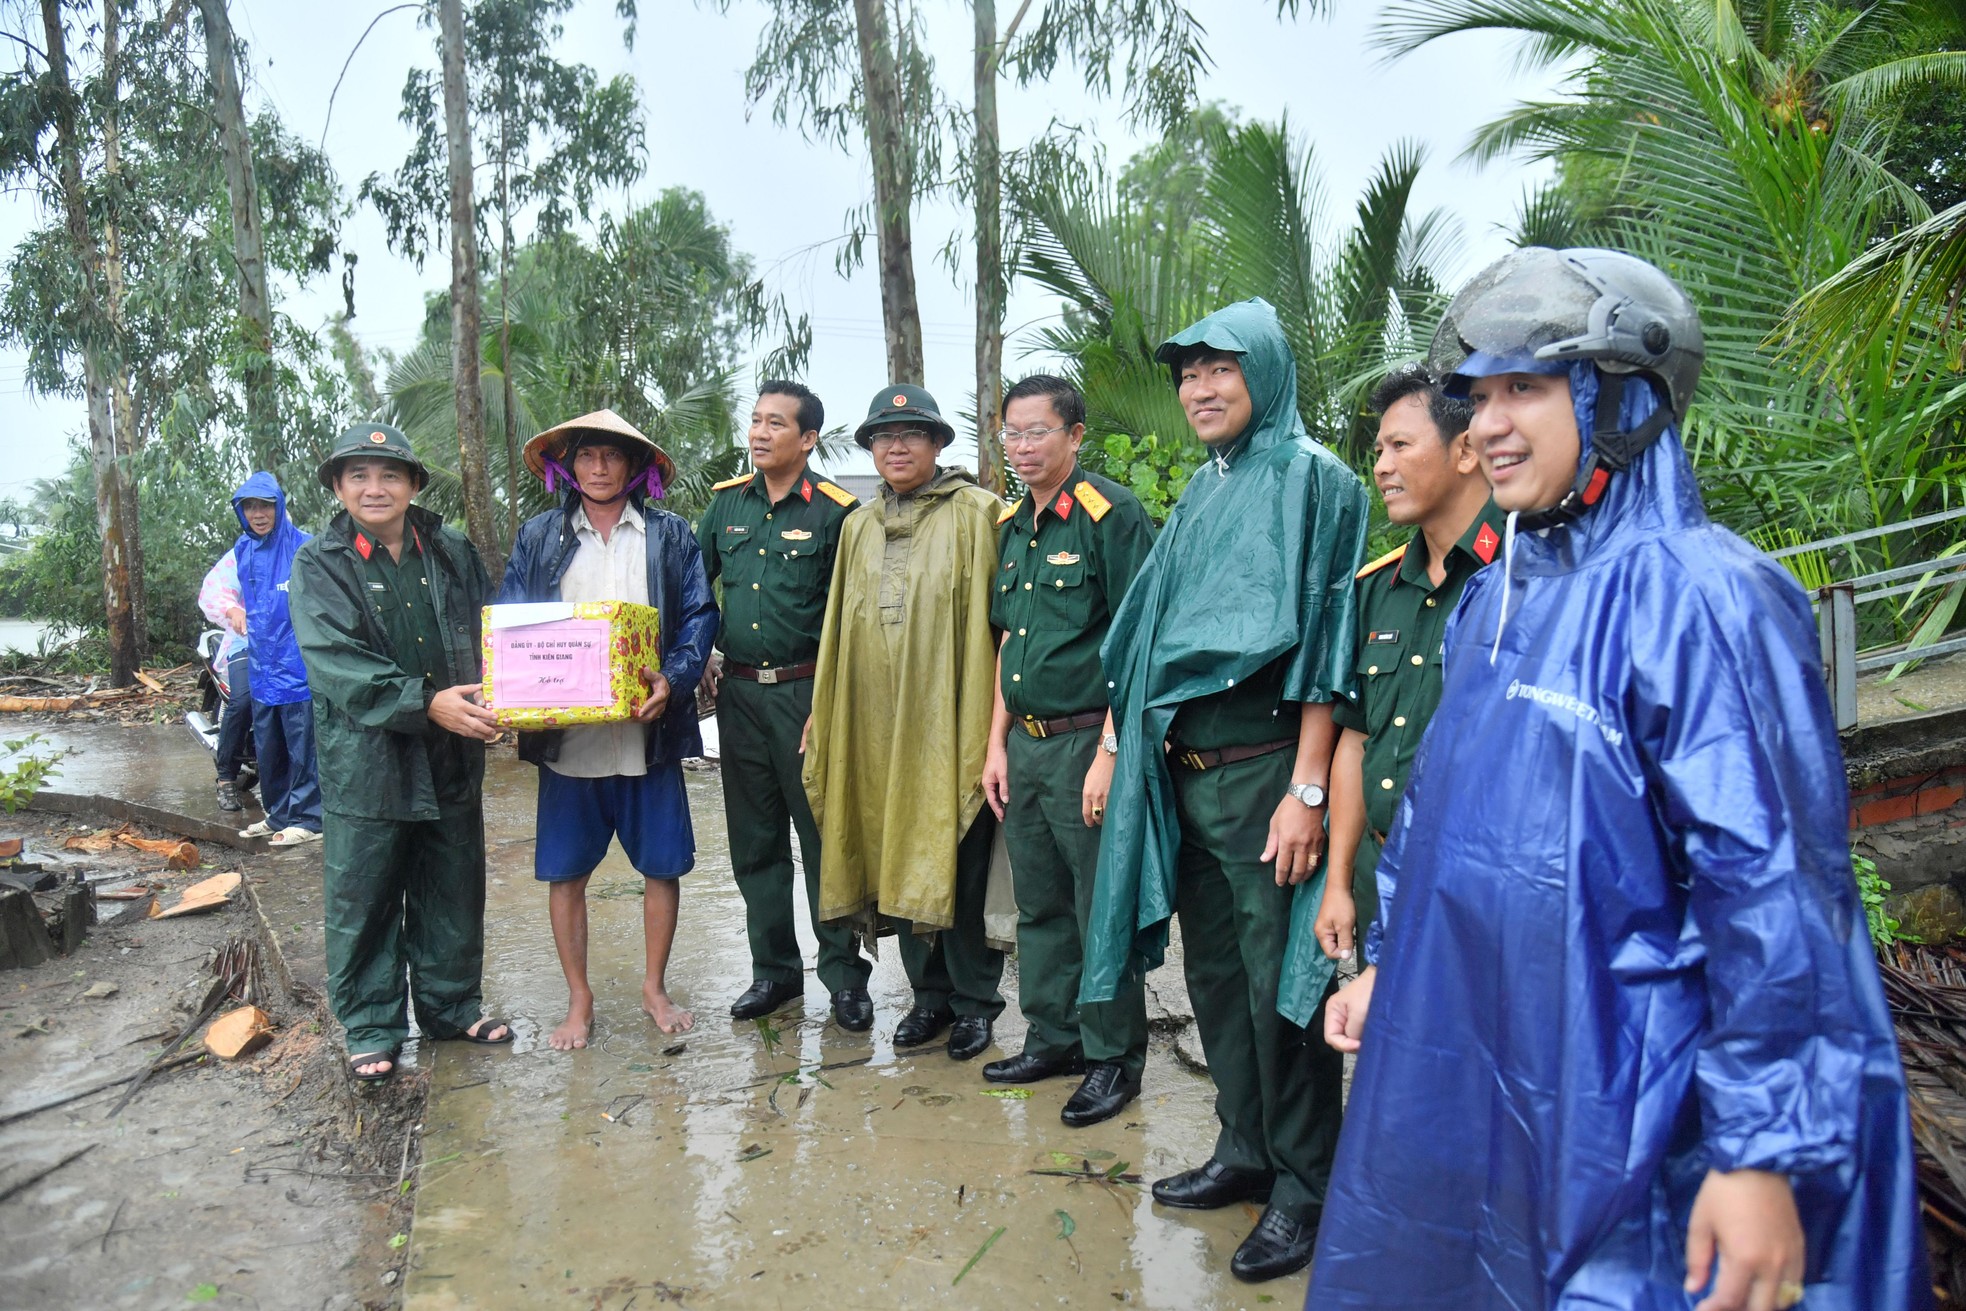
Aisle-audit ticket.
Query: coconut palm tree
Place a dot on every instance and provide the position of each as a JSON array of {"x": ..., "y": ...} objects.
[{"x": 1352, "y": 296}]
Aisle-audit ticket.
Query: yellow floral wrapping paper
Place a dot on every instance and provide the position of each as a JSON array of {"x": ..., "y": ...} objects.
[{"x": 634, "y": 640}]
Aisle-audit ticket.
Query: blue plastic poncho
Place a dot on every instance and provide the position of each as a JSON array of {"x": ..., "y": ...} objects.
[
  {"x": 265, "y": 563},
  {"x": 1619, "y": 943}
]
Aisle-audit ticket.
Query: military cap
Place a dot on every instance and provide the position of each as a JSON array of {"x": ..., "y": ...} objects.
[
  {"x": 901, "y": 402},
  {"x": 370, "y": 440}
]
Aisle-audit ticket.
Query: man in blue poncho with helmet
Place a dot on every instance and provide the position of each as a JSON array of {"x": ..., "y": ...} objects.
[{"x": 1624, "y": 1043}]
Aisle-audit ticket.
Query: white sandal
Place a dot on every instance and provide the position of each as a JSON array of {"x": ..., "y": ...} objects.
[
  {"x": 259, "y": 828},
  {"x": 293, "y": 836}
]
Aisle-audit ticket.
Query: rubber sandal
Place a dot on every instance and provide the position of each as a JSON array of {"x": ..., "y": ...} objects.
[
  {"x": 485, "y": 1024},
  {"x": 394, "y": 1055},
  {"x": 293, "y": 836}
]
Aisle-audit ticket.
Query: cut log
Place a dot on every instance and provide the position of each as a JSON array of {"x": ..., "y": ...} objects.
[
  {"x": 24, "y": 940},
  {"x": 32, "y": 705},
  {"x": 233, "y": 1035},
  {"x": 207, "y": 894}
]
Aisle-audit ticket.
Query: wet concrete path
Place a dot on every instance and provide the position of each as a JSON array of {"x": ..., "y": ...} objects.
[{"x": 792, "y": 1165}]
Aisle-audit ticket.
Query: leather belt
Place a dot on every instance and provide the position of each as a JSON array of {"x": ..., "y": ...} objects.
[
  {"x": 1063, "y": 724},
  {"x": 1189, "y": 758},
  {"x": 782, "y": 674}
]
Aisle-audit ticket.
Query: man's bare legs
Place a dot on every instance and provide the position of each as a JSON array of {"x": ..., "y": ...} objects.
[
  {"x": 660, "y": 898},
  {"x": 566, "y": 905}
]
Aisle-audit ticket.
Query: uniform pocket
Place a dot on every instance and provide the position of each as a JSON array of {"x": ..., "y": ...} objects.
[{"x": 1072, "y": 593}]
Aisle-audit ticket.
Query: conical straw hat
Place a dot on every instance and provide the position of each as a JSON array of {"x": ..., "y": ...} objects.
[{"x": 552, "y": 443}]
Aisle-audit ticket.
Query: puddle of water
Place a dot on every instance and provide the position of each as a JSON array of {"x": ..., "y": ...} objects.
[
  {"x": 743, "y": 1173},
  {"x": 746, "y": 1173}
]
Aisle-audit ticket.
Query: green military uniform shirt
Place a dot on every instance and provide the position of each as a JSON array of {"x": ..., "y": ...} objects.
[
  {"x": 776, "y": 561},
  {"x": 1401, "y": 639},
  {"x": 399, "y": 590},
  {"x": 1063, "y": 568}
]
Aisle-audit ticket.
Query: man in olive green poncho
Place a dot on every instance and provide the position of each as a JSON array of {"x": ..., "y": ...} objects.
[
  {"x": 901, "y": 709},
  {"x": 1222, "y": 664}
]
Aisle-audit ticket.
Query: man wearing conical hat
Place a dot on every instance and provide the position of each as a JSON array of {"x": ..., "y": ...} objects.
[{"x": 608, "y": 541}]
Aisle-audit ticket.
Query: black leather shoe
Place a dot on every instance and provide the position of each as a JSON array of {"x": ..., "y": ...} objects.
[
  {"x": 969, "y": 1036},
  {"x": 1026, "y": 1068},
  {"x": 763, "y": 997},
  {"x": 921, "y": 1025},
  {"x": 853, "y": 1010},
  {"x": 228, "y": 800},
  {"x": 1277, "y": 1246},
  {"x": 1213, "y": 1185},
  {"x": 1107, "y": 1088}
]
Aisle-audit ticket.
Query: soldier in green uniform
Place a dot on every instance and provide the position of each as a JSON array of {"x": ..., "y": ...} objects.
[
  {"x": 1068, "y": 552},
  {"x": 1429, "y": 476},
  {"x": 386, "y": 604},
  {"x": 1222, "y": 663},
  {"x": 771, "y": 535}
]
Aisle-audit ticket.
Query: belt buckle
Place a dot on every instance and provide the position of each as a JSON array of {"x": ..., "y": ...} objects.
[
  {"x": 1193, "y": 760},
  {"x": 769, "y": 677},
  {"x": 1035, "y": 727}
]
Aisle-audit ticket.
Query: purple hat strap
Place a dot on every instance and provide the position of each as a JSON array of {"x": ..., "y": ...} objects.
[{"x": 558, "y": 476}]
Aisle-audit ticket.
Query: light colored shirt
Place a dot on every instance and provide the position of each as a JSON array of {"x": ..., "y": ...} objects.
[{"x": 614, "y": 570}]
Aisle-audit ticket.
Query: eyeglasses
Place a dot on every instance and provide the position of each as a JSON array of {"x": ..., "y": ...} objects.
[
  {"x": 1029, "y": 437},
  {"x": 901, "y": 437}
]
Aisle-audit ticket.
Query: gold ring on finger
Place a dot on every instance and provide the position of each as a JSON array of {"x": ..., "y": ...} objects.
[{"x": 1788, "y": 1293}]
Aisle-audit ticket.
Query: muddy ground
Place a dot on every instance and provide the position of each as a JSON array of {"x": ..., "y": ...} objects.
[{"x": 266, "y": 1181}]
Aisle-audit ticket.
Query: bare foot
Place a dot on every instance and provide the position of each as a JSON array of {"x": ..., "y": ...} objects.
[
  {"x": 668, "y": 1016},
  {"x": 573, "y": 1032}
]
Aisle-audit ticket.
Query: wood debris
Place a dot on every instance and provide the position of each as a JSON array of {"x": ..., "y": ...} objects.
[
  {"x": 207, "y": 894},
  {"x": 235, "y": 1033}
]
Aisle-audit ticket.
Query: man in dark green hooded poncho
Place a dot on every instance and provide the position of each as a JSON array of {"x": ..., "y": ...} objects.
[{"x": 1222, "y": 664}]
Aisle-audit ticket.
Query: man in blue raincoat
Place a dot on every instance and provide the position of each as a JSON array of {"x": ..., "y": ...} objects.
[
  {"x": 1222, "y": 662},
  {"x": 1624, "y": 1041},
  {"x": 283, "y": 710}
]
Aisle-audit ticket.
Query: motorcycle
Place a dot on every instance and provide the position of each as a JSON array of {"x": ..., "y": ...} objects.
[{"x": 215, "y": 695}]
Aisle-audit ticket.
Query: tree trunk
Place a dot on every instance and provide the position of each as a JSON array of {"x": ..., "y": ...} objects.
[
  {"x": 894, "y": 191},
  {"x": 110, "y": 519},
  {"x": 505, "y": 331},
  {"x": 255, "y": 308},
  {"x": 129, "y": 438},
  {"x": 990, "y": 289},
  {"x": 479, "y": 522}
]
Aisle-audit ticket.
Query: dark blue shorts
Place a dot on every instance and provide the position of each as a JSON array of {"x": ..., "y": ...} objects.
[{"x": 577, "y": 818}]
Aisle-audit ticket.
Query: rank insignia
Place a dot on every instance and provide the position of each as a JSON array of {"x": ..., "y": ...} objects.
[
  {"x": 837, "y": 494},
  {"x": 1095, "y": 504},
  {"x": 796, "y": 535},
  {"x": 1061, "y": 557},
  {"x": 1485, "y": 543},
  {"x": 1064, "y": 506},
  {"x": 805, "y": 489}
]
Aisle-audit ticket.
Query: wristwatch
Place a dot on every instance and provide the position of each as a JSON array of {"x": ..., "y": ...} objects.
[
  {"x": 1110, "y": 744},
  {"x": 1309, "y": 793}
]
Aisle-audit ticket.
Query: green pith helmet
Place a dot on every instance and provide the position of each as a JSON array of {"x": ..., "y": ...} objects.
[
  {"x": 371, "y": 439},
  {"x": 901, "y": 403}
]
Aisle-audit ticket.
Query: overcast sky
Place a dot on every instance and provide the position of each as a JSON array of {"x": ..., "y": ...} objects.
[{"x": 784, "y": 198}]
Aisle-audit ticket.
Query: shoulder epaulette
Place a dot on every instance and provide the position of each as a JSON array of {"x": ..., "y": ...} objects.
[
  {"x": 1011, "y": 510},
  {"x": 729, "y": 483},
  {"x": 1095, "y": 504},
  {"x": 834, "y": 492},
  {"x": 1390, "y": 557}
]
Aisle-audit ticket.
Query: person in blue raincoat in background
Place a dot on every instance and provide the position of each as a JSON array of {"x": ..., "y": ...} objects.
[
  {"x": 1624, "y": 1043},
  {"x": 283, "y": 709}
]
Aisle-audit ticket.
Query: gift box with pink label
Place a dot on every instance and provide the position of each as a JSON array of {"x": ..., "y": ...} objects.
[{"x": 554, "y": 664}]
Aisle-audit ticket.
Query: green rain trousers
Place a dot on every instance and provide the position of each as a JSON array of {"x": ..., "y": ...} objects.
[
  {"x": 404, "y": 902},
  {"x": 1053, "y": 858},
  {"x": 764, "y": 801},
  {"x": 1278, "y": 1088},
  {"x": 955, "y": 968}
]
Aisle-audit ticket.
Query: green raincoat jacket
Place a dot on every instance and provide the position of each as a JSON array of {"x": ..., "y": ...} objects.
[
  {"x": 1255, "y": 564},
  {"x": 371, "y": 720},
  {"x": 901, "y": 702}
]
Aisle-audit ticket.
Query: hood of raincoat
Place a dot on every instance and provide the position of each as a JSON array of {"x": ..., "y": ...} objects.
[
  {"x": 1618, "y": 942},
  {"x": 1255, "y": 565},
  {"x": 265, "y": 563}
]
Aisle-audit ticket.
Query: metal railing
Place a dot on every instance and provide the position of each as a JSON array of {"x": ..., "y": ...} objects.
[{"x": 1836, "y": 609}]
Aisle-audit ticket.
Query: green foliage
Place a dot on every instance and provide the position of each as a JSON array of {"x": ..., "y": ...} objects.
[
  {"x": 30, "y": 769},
  {"x": 1155, "y": 469},
  {"x": 1883, "y": 928},
  {"x": 647, "y": 320}
]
